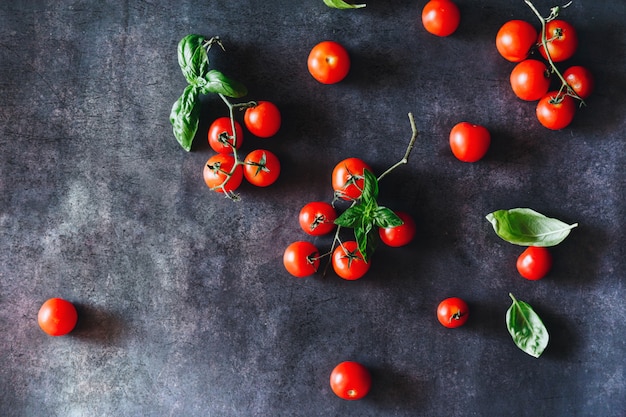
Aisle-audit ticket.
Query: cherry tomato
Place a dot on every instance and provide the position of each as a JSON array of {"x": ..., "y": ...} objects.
[
  {"x": 221, "y": 137},
  {"x": 261, "y": 168},
  {"x": 515, "y": 39},
  {"x": 452, "y": 312},
  {"x": 469, "y": 142},
  {"x": 216, "y": 171},
  {"x": 301, "y": 259},
  {"x": 562, "y": 40},
  {"x": 534, "y": 263},
  {"x": 530, "y": 80},
  {"x": 262, "y": 120},
  {"x": 441, "y": 17},
  {"x": 57, "y": 317},
  {"x": 348, "y": 262},
  {"x": 317, "y": 218},
  {"x": 400, "y": 235},
  {"x": 556, "y": 112},
  {"x": 580, "y": 80},
  {"x": 347, "y": 178},
  {"x": 329, "y": 62},
  {"x": 350, "y": 380}
]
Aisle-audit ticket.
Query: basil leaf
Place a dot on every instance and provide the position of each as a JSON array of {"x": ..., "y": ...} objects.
[
  {"x": 216, "y": 82},
  {"x": 365, "y": 240},
  {"x": 526, "y": 227},
  {"x": 370, "y": 187},
  {"x": 350, "y": 218},
  {"x": 384, "y": 217},
  {"x": 192, "y": 58},
  {"x": 526, "y": 328},
  {"x": 340, "y": 4},
  {"x": 184, "y": 117}
]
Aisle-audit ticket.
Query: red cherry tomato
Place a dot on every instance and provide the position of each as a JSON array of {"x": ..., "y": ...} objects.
[
  {"x": 469, "y": 142},
  {"x": 262, "y": 120},
  {"x": 317, "y": 218},
  {"x": 580, "y": 80},
  {"x": 562, "y": 40},
  {"x": 515, "y": 39},
  {"x": 350, "y": 380},
  {"x": 221, "y": 137},
  {"x": 347, "y": 178},
  {"x": 452, "y": 312},
  {"x": 534, "y": 263},
  {"x": 530, "y": 80},
  {"x": 329, "y": 62},
  {"x": 216, "y": 172},
  {"x": 301, "y": 259},
  {"x": 400, "y": 235},
  {"x": 348, "y": 261},
  {"x": 556, "y": 112},
  {"x": 441, "y": 17},
  {"x": 261, "y": 168},
  {"x": 57, "y": 317}
]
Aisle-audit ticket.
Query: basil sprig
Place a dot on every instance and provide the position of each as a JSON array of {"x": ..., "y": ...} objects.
[
  {"x": 526, "y": 227},
  {"x": 526, "y": 328},
  {"x": 340, "y": 4}
]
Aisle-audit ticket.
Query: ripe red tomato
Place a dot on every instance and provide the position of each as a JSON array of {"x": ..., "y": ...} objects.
[
  {"x": 515, "y": 39},
  {"x": 530, "y": 80},
  {"x": 556, "y": 112},
  {"x": 317, "y": 218},
  {"x": 348, "y": 262},
  {"x": 469, "y": 142},
  {"x": 399, "y": 235},
  {"x": 262, "y": 120},
  {"x": 350, "y": 380},
  {"x": 57, "y": 317},
  {"x": 301, "y": 259},
  {"x": 221, "y": 137},
  {"x": 441, "y": 17},
  {"x": 562, "y": 40},
  {"x": 216, "y": 172},
  {"x": 261, "y": 168},
  {"x": 534, "y": 263},
  {"x": 580, "y": 79},
  {"x": 329, "y": 62},
  {"x": 452, "y": 312},
  {"x": 347, "y": 178}
]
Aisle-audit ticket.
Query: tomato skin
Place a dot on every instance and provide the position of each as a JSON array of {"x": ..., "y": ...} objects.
[
  {"x": 562, "y": 40},
  {"x": 556, "y": 116},
  {"x": 441, "y": 17},
  {"x": 223, "y": 125},
  {"x": 329, "y": 62},
  {"x": 261, "y": 168},
  {"x": 580, "y": 79},
  {"x": 347, "y": 178},
  {"x": 515, "y": 39},
  {"x": 534, "y": 263},
  {"x": 400, "y": 235},
  {"x": 215, "y": 173},
  {"x": 57, "y": 317},
  {"x": 317, "y": 218},
  {"x": 452, "y": 312},
  {"x": 469, "y": 142},
  {"x": 348, "y": 261},
  {"x": 262, "y": 120},
  {"x": 350, "y": 380},
  {"x": 301, "y": 259},
  {"x": 530, "y": 80}
]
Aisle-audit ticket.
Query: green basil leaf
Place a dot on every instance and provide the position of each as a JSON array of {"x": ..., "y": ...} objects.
[
  {"x": 384, "y": 217},
  {"x": 192, "y": 58},
  {"x": 370, "y": 187},
  {"x": 340, "y": 4},
  {"x": 216, "y": 82},
  {"x": 350, "y": 218},
  {"x": 365, "y": 240},
  {"x": 184, "y": 117},
  {"x": 526, "y": 328},
  {"x": 526, "y": 227}
]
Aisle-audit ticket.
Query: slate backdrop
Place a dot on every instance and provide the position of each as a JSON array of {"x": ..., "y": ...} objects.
[{"x": 185, "y": 307}]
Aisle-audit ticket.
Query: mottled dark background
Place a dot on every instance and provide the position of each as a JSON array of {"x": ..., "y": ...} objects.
[{"x": 185, "y": 307}]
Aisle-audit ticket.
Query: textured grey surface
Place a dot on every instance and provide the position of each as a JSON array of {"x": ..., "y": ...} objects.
[{"x": 185, "y": 308}]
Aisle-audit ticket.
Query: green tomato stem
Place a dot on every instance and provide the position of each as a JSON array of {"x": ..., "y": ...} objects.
[{"x": 409, "y": 148}]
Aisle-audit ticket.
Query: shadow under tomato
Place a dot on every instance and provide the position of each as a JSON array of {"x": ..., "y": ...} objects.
[
  {"x": 97, "y": 325},
  {"x": 393, "y": 389}
]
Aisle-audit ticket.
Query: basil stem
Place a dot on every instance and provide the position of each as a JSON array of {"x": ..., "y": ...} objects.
[
  {"x": 526, "y": 227},
  {"x": 340, "y": 4},
  {"x": 526, "y": 328}
]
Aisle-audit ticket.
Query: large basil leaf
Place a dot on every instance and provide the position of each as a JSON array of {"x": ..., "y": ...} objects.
[
  {"x": 340, "y": 4},
  {"x": 370, "y": 186},
  {"x": 526, "y": 227},
  {"x": 184, "y": 117},
  {"x": 384, "y": 217},
  {"x": 192, "y": 58},
  {"x": 217, "y": 83},
  {"x": 526, "y": 328}
]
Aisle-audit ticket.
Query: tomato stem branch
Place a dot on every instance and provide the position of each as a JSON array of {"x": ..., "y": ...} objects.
[{"x": 409, "y": 148}]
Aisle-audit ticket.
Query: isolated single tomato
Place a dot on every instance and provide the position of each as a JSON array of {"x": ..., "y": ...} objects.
[
  {"x": 515, "y": 39},
  {"x": 261, "y": 168},
  {"x": 57, "y": 317},
  {"x": 317, "y": 218},
  {"x": 530, "y": 80},
  {"x": 329, "y": 62},
  {"x": 301, "y": 259},
  {"x": 262, "y": 120},
  {"x": 441, "y": 17},
  {"x": 217, "y": 171},
  {"x": 534, "y": 263},
  {"x": 347, "y": 178},
  {"x": 221, "y": 137},
  {"x": 562, "y": 40},
  {"x": 350, "y": 380},
  {"x": 469, "y": 142},
  {"x": 452, "y": 312},
  {"x": 580, "y": 79},
  {"x": 399, "y": 235},
  {"x": 348, "y": 261},
  {"x": 556, "y": 111}
]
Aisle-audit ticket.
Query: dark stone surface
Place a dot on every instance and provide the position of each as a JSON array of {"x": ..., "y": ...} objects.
[{"x": 185, "y": 308}]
